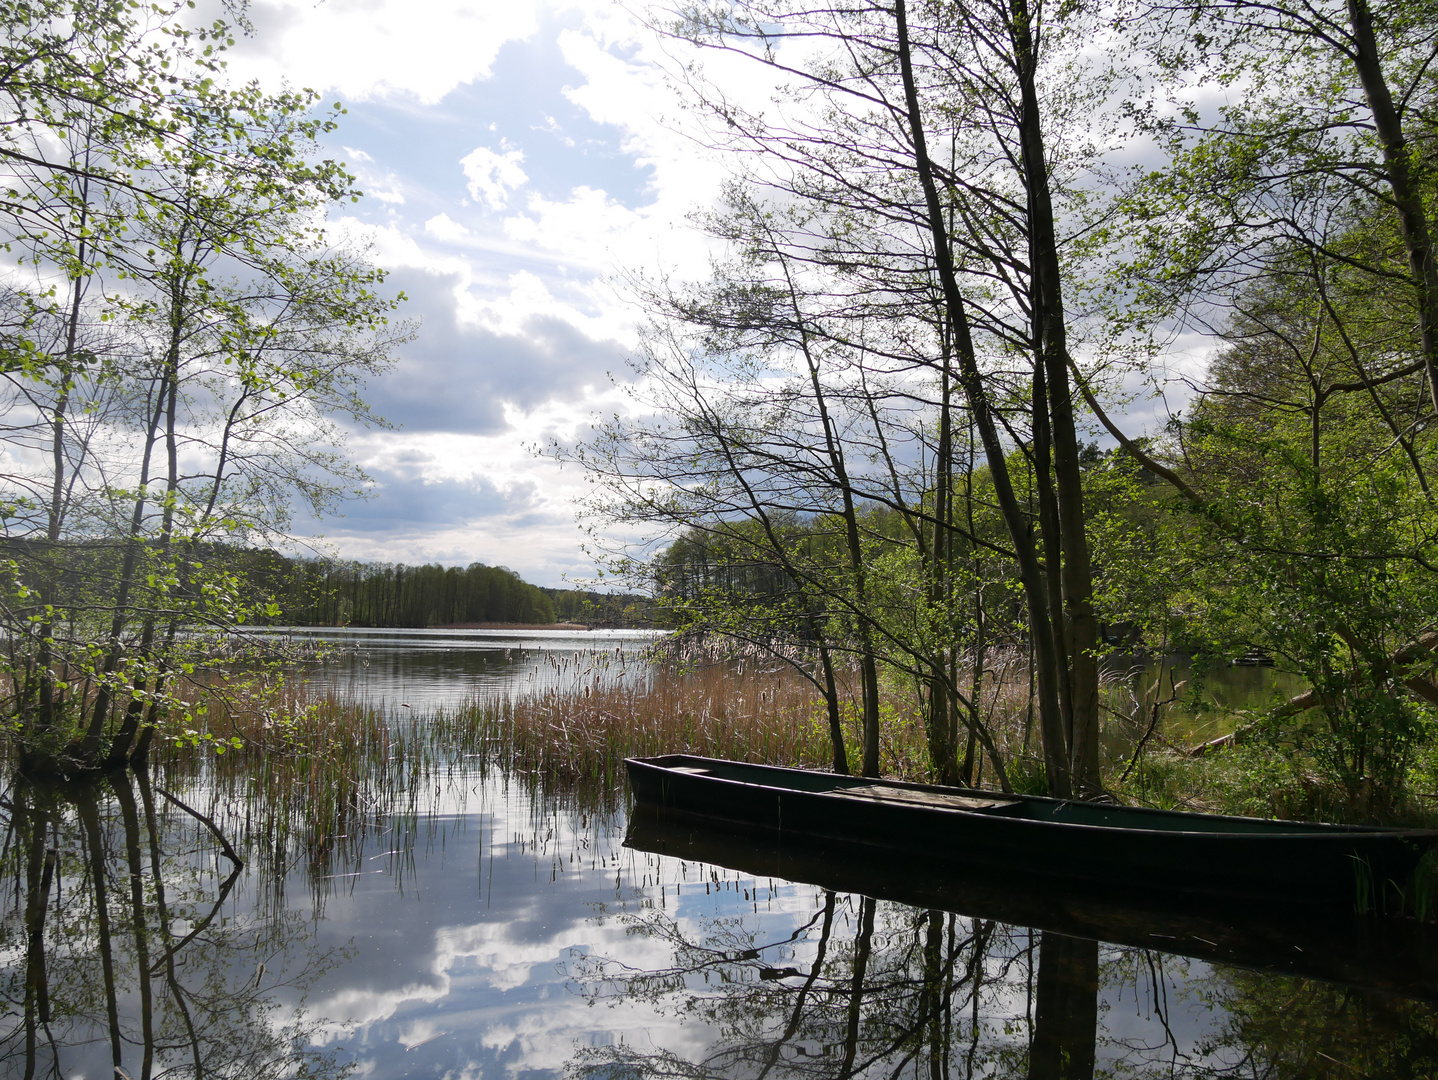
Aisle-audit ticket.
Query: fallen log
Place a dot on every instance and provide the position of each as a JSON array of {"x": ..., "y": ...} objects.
[
  {"x": 1406, "y": 655},
  {"x": 1233, "y": 738},
  {"x": 1424, "y": 688}
]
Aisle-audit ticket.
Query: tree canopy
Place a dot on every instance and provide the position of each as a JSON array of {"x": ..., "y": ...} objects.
[
  {"x": 182, "y": 344},
  {"x": 956, "y": 233}
]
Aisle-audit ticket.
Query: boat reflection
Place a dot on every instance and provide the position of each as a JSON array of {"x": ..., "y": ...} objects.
[
  {"x": 134, "y": 963},
  {"x": 1390, "y": 955},
  {"x": 911, "y": 970}
]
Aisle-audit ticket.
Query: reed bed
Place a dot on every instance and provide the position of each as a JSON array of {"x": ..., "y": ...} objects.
[
  {"x": 710, "y": 700},
  {"x": 742, "y": 711},
  {"x": 324, "y": 766},
  {"x": 291, "y": 767},
  {"x": 313, "y": 775},
  {"x": 305, "y": 779},
  {"x": 716, "y": 700}
]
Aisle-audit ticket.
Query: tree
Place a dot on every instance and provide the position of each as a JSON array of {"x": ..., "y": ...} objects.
[
  {"x": 1293, "y": 225},
  {"x": 905, "y": 280},
  {"x": 232, "y": 330}
]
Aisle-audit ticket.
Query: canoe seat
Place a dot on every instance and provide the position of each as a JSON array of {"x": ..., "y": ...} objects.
[
  {"x": 943, "y": 799},
  {"x": 693, "y": 770}
]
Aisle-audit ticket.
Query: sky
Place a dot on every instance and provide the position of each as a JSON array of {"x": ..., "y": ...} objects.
[{"x": 517, "y": 159}]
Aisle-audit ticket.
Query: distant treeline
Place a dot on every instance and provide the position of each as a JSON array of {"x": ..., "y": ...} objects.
[
  {"x": 328, "y": 592},
  {"x": 274, "y": 589}
]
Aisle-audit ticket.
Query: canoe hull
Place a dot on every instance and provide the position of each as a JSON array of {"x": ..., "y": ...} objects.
[{"x": 1194, "y": 856}]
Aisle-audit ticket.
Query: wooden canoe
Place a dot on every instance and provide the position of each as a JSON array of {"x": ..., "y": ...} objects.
[{"x": 1196, "y": 856}]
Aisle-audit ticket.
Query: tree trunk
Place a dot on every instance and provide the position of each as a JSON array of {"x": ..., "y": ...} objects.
[
  {"x": 942, "y": 712},
  {"x": 1079, "y": 631},
  {"x": 1056, "y": 758},
  {"x": 1407, "y": 198},
  {"x": 868, "y": 663},
  {"x": 831, "y": 700}
]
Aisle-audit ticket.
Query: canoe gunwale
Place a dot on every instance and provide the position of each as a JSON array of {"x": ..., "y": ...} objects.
[
  {"x": 1301, "y": 863},
  {"x": 1267, "y": 827}
]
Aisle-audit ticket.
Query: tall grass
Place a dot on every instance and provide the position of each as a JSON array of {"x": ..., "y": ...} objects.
[
  {"x": 334, "y": 760},
  {"x": 741, "y": 711},
  {"x": 717, "y": 702},
  {"x": 316, "y": 773},
  {"x": 307, "y": 776}
]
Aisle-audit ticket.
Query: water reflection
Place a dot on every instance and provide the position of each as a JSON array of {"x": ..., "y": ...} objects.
[
  {"x": 861, "y": 989},
  {"x": 866, "y": 988},
  {"x": 1065, "y": 1009},
  {"x": 123, "y": 957},
  {"x": 1195, "y": 705},
  {"x": 428, "y": 669},
  {"x": 172, "y": 931}
]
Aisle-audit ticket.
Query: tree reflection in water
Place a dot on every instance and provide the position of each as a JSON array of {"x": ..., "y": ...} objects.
[
  {"x": 861, "y": 989},
  {"x": 119, "y": 951},
  {"x": 882, "y": 990},
  {"x": 1065, "y": 1009},
  {"x": 1286, "y": 1027}
]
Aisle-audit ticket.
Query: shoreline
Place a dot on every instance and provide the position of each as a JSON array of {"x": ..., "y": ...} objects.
[{"x": 511, "y": 626}]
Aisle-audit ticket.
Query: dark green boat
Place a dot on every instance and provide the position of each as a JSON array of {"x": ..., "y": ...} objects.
[{"x": 1195, "y": 857}]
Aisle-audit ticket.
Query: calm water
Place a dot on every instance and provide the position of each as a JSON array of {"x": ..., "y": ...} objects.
[
  {"x": 425, "y": 669},
  {"x": 509, "y": 932},
  {"x": 1202, "y": 706}
]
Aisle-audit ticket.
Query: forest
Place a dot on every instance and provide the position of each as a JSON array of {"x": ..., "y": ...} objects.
[
  {"x": 334, "y": 592},
  {"x": 1060, "y": 332},
  {"x": 331, "y": 593}
]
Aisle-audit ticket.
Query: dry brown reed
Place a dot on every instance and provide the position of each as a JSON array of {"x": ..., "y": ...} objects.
[
  {"x": 319, "y": 769},
  {"x": 709, "y": 700},
  {"x": 744, "y": 711},
  {"x": 716, "y": 700}
]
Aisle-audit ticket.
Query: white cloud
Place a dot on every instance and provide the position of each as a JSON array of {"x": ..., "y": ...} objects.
[
  {"x": 443, "y": 227},
  {"x": 492, "y": 176},
  {"x": 356, "y": 1007},
  {"x": 419, "y": 1032},
  {"x": 394, "y": 248},
  {"x": 589, "y": 223},
  {"x": 367, "y": 49},
  {"x": 507, "y": 312}
]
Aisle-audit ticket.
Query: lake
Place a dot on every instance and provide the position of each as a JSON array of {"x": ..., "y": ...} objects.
[
  {"x": 427, "y": 669},
  {"x": 497, "y": 927}
]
